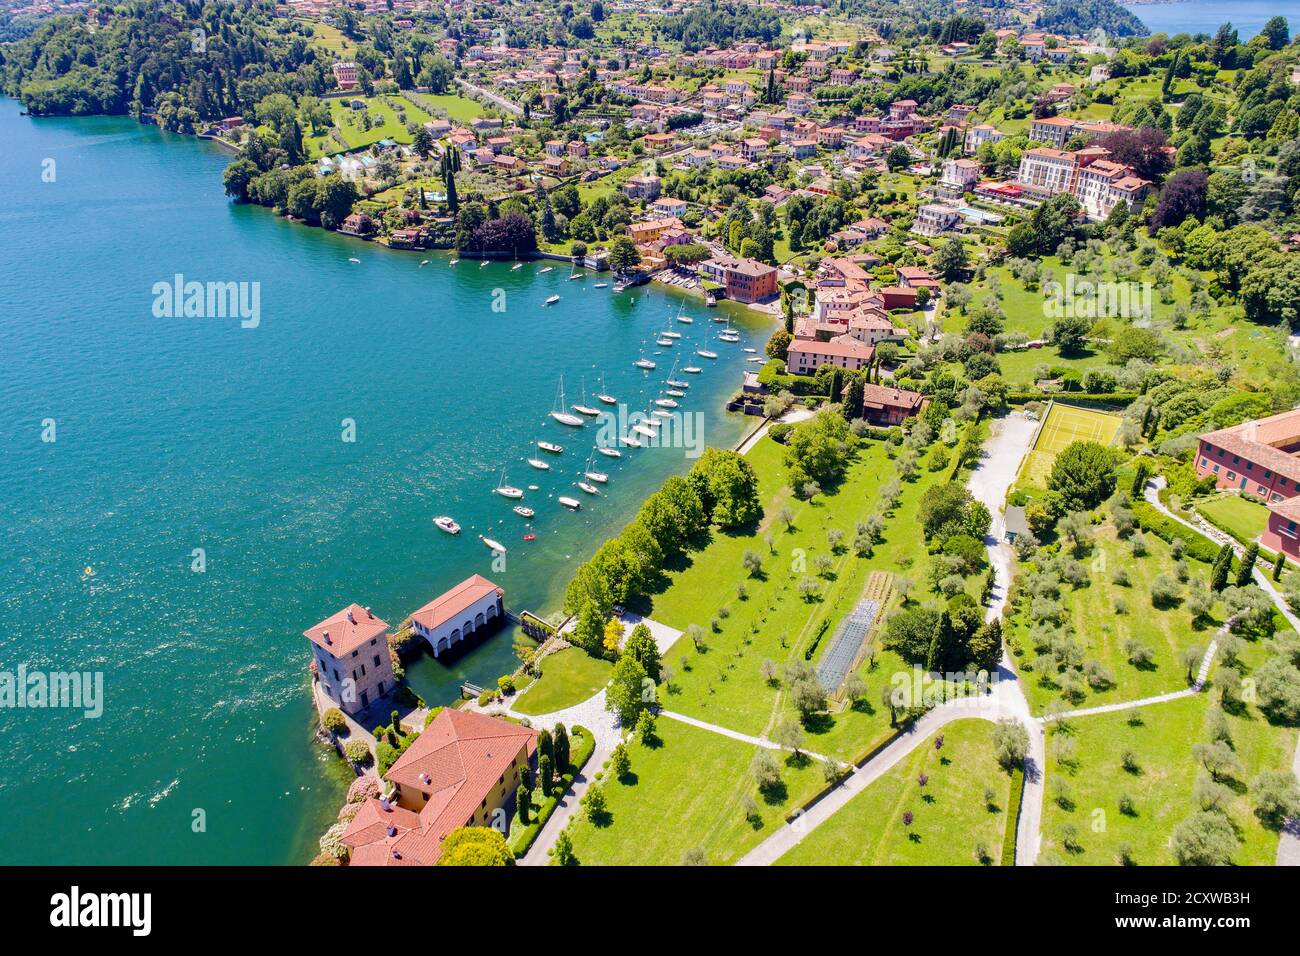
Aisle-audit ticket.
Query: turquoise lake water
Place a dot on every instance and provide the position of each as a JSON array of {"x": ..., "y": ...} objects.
[
  {"x": 1205, "y": 16},
  {"x": 174, "y": 434}
]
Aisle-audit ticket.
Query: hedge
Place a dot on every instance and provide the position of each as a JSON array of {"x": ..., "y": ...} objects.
[
  {"x": 1198, "y": 546},
  {"x": 1013, "y": 817},
  {"x": 771, "y": 375},
  {"x": 522, "y": 838},
  {"x": 1075, "y": 398}
]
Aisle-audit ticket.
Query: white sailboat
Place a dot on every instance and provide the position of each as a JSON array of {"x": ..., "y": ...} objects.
[
  {"x": 589, "y": 489},
  {"x": 705, "y": 353},
  {"x": 484, "y": 264},
  {"x": 678, "y": 383},
  {"x": 550, "y": 447},
  {"x": 592, "y": 475},
  {"x": 604, "y": 396},
  {"x": 584, "y": 408},
  {"x": 675, "y": 393},
  {"x": 545, "y": 269},
  {"x": 665, "y": 403},
  {"x": 644, "y": 362},
  {"x": 552, "y": 300},
  {"x": 516, "y": 267},
  {"x": 684, "y": 319},
  {"x": 692, "y": 370},
  {"x": 563, "y": 417},
  {"x": 644, "y": 430},
  {"x": 610, "y": 452},
  {"x": 539, "y": 464},
  {"x": 494, "y": 545},
  {"x": 507, "y": 491}
]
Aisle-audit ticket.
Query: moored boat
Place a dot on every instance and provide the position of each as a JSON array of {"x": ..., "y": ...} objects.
[
  {"x": 494, "y": 545},
  {"x": 568, "y": 502},
  {"x": 551, "y": 447},
  {"x": 447, "y": 524},
  {"x": 524, "y": 511},
  {"x": 552, "y": 300},
  {"x": 610, "y": 452},
  {"x": 692, "y": 370},
  {"x": 705, "y": 353},
  {"x": 589, "y": 489}
]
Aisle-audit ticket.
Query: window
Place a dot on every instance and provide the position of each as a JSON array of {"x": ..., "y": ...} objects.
[{"x": 376, "y": 660}]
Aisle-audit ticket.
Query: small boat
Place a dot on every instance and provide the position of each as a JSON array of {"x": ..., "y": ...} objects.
[
  {"x": 672, "y": 335},
  {"x": 710, "y": 300},
  {"x": 657, "y": 414},
  {"x": 354, "y": 261},
  {"x": 447, "y": 524},
  {"x": 632, "y": 442},
  {"x": 732, "y": 338},
  {"x": 678, "y": 383},
  {"x": 721, "y": 318},
  {"x": 494, "y": 545},
  {"x": 597, "y": 476},
  {"x": 692, "y": 370},
  {"x": 568, "y": 502},
  {"x": 484, "y": 264},
  {"x": 552, "y": 448},
  {"x": 530, "y": 537},
  {"x": 545, "y": 269},
  {"x": 516, "y": 267},
  {"x": 524, "y": 511},
  {"x": 685, "y": 319},
  {"x": 563, "y": 417},
  {"x": 539, "y": 464},
  {"x": 575, "y": 275},
  {"x": 604, "y": 396},
  {"x": 664, "y": 342},
  {"x": 601, "y": 285},
  {"x": 610, "y": 452},
  {"x": 705, "y": 353},
  {"x": 751, "y": 351},
  {"x": 552, "y": 300},
  {"x": 644, "y": 363},
  {"x": 589, "y": 489},
  {"x": 507, "y": 491},
  {"x": 645, "y": 430},
  {"x": 423, "y": 263},
  {"x": 755, "y": 358},
  {"x": 665, "y": 403},
  {"x": 675, "y": 393},
  {"x": 584, "y": 408}
]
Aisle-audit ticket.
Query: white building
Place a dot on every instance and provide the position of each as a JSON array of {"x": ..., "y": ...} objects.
[{"x": 452, "y": 617}]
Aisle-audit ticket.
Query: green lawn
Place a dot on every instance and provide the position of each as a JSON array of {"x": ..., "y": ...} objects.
[
  {"x": 951, "y": 815},
  {"x": 349, "y": 125},
  {"x": 1095, "y": 624},
  {"x": 689, "y": 792},
  {"x": 1244, "y": 520},
  {"x": 724, "y": 684},
  {"x": 1087, "y": 757},
  {"x": 568, "y": 677},
  {"x": 460, "y": 109}
]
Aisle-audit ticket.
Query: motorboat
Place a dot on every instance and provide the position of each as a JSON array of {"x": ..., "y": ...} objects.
[
  {"x": 756, "y": 358},
  {"x": 692, "y": 370},
  {"x": 552, "y": 300},
  {"x": 644, "y": 363},
  {"x": 423, "y": 263},
  {"x": 705, "y": 353},
  {"x": 710, "y": 300},
  {"x": 530, "y": 537},
  {"x": 545, "y": 269},
  {"x": 589, "y": 489},
  {"x": 524, "y": 511},
  {"x": 751, "y": 351},
  {"x": 568, "y": 502},
  {"x": 553, "y": 449},
  {"x": 665, "y": 403},
  {"x": 721, "y": 318},
  {"x": 496, "y": 546},
  {"x": 630, "y": 441},
  {"x": 454, "y": 262},
  {"x": 355, "y": 261},
  {"x": 447, "y": 524},
  {"x": 516, "y": 267},
  {"x": 664, "y": 342},
  {"x": 484, "y": 263},
  {"x": 657, "y": 414},
  {"x": 645, "y": 430},
  {"x": 672, "y": 335},
  {"x": 610, "y": 452},
  {"x": 676, "y": 393},
  {"x": 563, "y": 417},
  {"x": 601, "y": 285}
]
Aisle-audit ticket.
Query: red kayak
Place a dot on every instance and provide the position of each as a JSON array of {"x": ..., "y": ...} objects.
[{"x": 530, "y": 537}]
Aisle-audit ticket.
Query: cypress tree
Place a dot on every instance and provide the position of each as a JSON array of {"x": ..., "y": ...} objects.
[
  {"x": 521, "y": 803},
  {"x": 1278, "y": 565},
  {"x": 561, "y": 749},
  {"x": 546, "y": 773},
  {"x": 1247, "y": 564},
  {"x": 1139, "y": 481},
  {"x": 1219, "y": 570},
  {"x": 545, "y": 745}
]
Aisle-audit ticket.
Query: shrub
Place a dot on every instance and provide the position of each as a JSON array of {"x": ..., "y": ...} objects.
[
  {"x": 334, "y": 721},
  {"x": 357, "y": 753}
]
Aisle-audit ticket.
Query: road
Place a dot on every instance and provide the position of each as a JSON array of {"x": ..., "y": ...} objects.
[{"x": 499, "y": 101}]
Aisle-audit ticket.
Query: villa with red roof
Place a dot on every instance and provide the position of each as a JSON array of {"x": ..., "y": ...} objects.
[
  {"x": 451, "y": 617},
  {"x": 1260, "y": 457},
  {"x": 463, "y": 770},
  {"x": 350, "y": 653}
]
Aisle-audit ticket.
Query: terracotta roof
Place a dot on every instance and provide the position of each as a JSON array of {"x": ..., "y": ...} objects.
[
  {"x": 1257, "y": 440},
  {"x": 1289, "y": 509},
  {"x": 344, "y": 632},
  {"x": 883, "y": 396},
  {"x": 449, "y": 605},
  {"x": 847, "y": 348}
]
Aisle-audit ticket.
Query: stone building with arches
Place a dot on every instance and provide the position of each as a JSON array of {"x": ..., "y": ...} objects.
[{"x": 474, "y": 605}]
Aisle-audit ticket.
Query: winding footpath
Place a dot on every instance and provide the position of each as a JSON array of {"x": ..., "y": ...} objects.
[
  {"x": 1288, "y": 845},
  {"x": 989, "y": 482}
]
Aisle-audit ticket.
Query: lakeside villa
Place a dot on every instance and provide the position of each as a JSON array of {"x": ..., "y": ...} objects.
[
  {"x": 452, "y": 617},
  {"x": 350, "y": 658},
  {"x": 462, "y": 771}
]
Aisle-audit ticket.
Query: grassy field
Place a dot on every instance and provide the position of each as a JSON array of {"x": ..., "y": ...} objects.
[
  {"x": 385, "y": 124},
  {"x": 459, "y": 109},
  {"x": 1064, "y": 425},
  {"x": 724, "y": 684},
  {"x": 1087, "y": 756},
  {"x": 568, "y": 677},
  {"x": 688, "y": 792},
  {"x": 1244, "y": 520},
  {"x": 1094, "y": 622},
  {"x": 951, "y": 814}
]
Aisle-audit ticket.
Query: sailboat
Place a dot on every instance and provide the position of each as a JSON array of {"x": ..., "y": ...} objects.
[
  {"x": 484, "y": 264},
  {"x": 610, "y": 452},
  {"x": 453, "y": 262},
  {"x": 589, "y": 489},
  {"x": 705, "y": 353},
  {"x": 665, "y": 403},
  {"x": 545, "y": 269},
  {"x": 692, "y": 370},
  {"x": 563, "y": 417},
  {"x": 575, "y": 274},
  {"x": 552, "y": 300},
  {"x": 604, "y": 396},
  {"x": 601, "y": 285},
  {"x": 684, "y": 319},
  {"x": 675, "y": 393},
  {"x": 644, "y": 362},
  {"x": 423, "y": 263},
  {"x": 494, "y": 545},
  {"x": 507, "y": 491},
  {"x": 597, "y": 476},
  {"x": 551, "y": 448},
  {"x": 516, "y": 267},
  {"x": 584, "y": 408},
  {"x": 633, "y": 442},
  {"x": 678, "y": 383},
  {"x": 538, "y": 463}
]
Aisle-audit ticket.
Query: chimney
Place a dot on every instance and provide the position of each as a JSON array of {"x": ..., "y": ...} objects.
[
  {"x": 369, "y": 613},
  {"x": 351, "y": 617},
  {"x": 384, "y": 805},
  {"x": 325, "y": 636},
  {"x": 392, "y": 830}
]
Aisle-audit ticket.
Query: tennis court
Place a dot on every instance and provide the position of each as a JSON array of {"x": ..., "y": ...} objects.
[{"x": 1065, "y": 425}]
